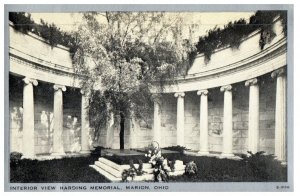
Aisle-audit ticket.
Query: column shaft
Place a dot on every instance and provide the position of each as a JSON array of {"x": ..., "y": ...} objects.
[
  {"x": 58, "y": 148},
  {"x": 253, "y": 124},
  {"x": 280, "y": 115},
  {"x": 28, "y": 118},
  {"x": 85, "y": 125},
  {"x": 203, "y": 149},
  {"x": 180, "y": 118},
  {"x": 227, "y": 121}
]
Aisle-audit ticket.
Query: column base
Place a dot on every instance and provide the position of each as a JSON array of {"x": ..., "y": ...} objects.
[
  {"x": 28, "y": 157},
  {"x": 84, "y": 152},
  {"x": 58, "y": 154},
  {"x": 224, "y": 155},
  {"x": 203, "y": 153},
  {"x": 282, "y": 162}
]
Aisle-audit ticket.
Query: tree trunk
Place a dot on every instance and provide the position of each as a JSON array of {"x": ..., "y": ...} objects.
[{"x": 122, "y": 130}]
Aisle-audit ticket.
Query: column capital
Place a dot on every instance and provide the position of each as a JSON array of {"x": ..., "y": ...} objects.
[
  {"x": 179, "y": 94},
  {"x": 58, "y": 86},
  {"x": 226, "y": 88},
  {"x": 30, "y": 80},
  {"x": 202, "y": 92},
  {"x": 84, "y": 92},
  {"x": 251, "y": 82},
  {"x": 278, "y": 72}
]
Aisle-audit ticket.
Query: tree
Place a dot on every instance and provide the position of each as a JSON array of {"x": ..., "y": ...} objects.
[{"x": 122, "y": 54}]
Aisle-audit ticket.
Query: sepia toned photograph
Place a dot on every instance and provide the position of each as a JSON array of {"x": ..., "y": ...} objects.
[{"x": 129, "y": 99}]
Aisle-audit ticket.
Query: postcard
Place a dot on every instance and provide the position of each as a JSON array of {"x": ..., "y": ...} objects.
[{"x": 148, "y": 98}]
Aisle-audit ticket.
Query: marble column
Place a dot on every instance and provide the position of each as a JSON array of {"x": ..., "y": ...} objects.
[
  {"x": 280, "y": 114},
  {"x": 28, "y": 118},
  {"x": 180, "y": 118},
  {"x": 253, "y": 123},
  {"x": 203, "y": 146},
  {"x": 157, "y": 121},
  {"x": 85, "y": 123},
  {"x": 58, "y": 147},
  {"x": 227, "y": 121}
]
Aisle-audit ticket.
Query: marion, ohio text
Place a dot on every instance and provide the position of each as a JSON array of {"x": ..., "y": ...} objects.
[{"x": 88, "y": 187}]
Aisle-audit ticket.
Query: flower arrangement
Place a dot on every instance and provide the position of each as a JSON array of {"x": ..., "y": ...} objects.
[
  {"x": 128, "y": 173},
  {"x": 191, "y": 168},
  {"x": 161, "y": 166},
  {"x": 132, "y": 171}
]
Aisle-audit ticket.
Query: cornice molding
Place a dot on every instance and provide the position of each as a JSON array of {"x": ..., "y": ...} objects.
[{"x": 44, "y": 68}]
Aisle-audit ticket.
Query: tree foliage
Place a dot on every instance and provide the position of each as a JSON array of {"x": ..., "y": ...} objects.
[
  {"x": 123, "y": 53},
  {"x": 21, "y": 21},
  {"x": 49, "y": 32},
  {"x": 233, "y": 33}
]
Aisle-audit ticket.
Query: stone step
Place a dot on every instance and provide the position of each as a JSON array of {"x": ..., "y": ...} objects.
[
  {"x": 144, "y": 177},
  {"x": 176, "y": 173},
  {"x": 110, "y": 163},
  {"x": 106, "y": 174},
  {"x": 116, "y": 173},
  {"x": 146, "y": 168},
  {"x": 122, "y": 167},
  {"x": 112, "y": 178},
  {"x": 113, "y": 171},
  {"x": 178, "y": 165}
]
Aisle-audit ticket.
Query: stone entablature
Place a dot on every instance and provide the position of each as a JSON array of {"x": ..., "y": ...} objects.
[
  {"x": 23, "y": 67},
  {"x": 31, "y": 56},
  {"x": 262, "y": 63},
  {"x": 249, "y": 47},
  {"x": 30, "y": 45},
  {"x": 229, "y": 66}
]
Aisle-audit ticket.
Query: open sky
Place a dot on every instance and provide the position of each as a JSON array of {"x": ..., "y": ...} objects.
[{"x": 204, "y": 20}]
